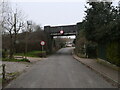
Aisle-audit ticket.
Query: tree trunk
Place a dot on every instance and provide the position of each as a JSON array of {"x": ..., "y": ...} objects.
[
  {"x": 14, "y": 46},
  {"x": 11, "y": 47}
]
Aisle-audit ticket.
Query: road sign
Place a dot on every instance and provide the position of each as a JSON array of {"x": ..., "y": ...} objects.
[
  {"x": 61, "y": 31},
  {"x": 42, "y": 43}
]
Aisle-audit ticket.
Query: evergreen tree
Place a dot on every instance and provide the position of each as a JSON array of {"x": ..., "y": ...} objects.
[{"x": 99, "y": 15}]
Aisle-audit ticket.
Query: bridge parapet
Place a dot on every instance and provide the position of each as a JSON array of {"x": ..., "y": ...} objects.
[{"x": 55, "y": 30}]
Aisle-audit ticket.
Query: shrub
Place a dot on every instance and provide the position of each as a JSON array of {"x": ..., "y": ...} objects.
[
  {"x": 4, "y": 53},
  {"x": 23, "y": 60},
  {"x": 112, "y": 53},
  {"x": 91, "y": 50},
  {"x": 41, "y": 54}
]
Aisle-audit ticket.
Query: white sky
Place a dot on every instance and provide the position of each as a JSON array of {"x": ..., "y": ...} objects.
[
  {"x": 56, "y": 0},
  {"x": 52, "y": 12}
]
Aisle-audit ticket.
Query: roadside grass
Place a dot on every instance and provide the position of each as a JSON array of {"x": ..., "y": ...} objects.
[
  {"x": 105, "y": 63},
  {"x": 15, "y": 60},
  {"x": 10, "y": 77},
  {"x": 80, "y": 55},
  {"x": 31, "y": 54},
  {"x": 0, "y": 80}
]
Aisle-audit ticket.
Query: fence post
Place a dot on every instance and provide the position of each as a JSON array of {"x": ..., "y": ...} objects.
[{"x": 3, "y": 73}]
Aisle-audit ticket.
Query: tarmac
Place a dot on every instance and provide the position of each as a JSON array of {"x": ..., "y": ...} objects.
[
  {"x": 59, "y": 70},
  {"x": 110, "y": 74}
]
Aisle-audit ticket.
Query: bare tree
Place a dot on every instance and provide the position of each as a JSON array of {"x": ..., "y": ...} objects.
[
  {"x": 2, "y": 13},
  {"x": 12, "y": 24},
  {"x": 0, "y": 28}
]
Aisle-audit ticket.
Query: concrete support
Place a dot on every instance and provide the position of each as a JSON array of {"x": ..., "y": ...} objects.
[{"x": 49, "y": 39}]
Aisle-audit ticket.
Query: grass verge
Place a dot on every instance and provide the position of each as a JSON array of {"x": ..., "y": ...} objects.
[
  {"x": 9, "y": 77},
  {"x": 31, "y": 54},
  {"x": 15, "y": 60},
  {"x": 105, "y": 63},
  {"x": 80, "y": 55}
]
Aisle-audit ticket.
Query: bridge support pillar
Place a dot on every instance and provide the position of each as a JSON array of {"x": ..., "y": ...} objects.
[
  {"x": 50, "y": 43},
  {"x": 49, "y": 39}
]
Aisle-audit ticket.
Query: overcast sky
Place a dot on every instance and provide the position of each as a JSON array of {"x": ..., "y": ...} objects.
[{"x": 52, "y": 12}]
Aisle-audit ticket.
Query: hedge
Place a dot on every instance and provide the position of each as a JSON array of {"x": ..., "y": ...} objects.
[{"x": 113, "y": 53}]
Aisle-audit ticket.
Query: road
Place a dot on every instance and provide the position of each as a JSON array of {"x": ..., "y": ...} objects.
[{"x": 60, "y": 70}]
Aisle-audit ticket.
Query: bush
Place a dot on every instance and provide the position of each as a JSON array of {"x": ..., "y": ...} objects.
[
  {"x": 112, "y": 53},
  {"x": 91, "y": 50},
  {"x": 81, "y": 55},
  {"x": 4, "y": 53},
  {"x": 80, "y": 42},
  {"x": 23, "y": 60},
  {"x": 41, "y": 54}
]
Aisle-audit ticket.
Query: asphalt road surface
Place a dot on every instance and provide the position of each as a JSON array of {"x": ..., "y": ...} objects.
[{"x": 60, "y": 70}]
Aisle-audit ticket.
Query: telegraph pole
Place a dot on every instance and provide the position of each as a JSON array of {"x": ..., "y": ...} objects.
[{"x": 26, "y": 38}]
